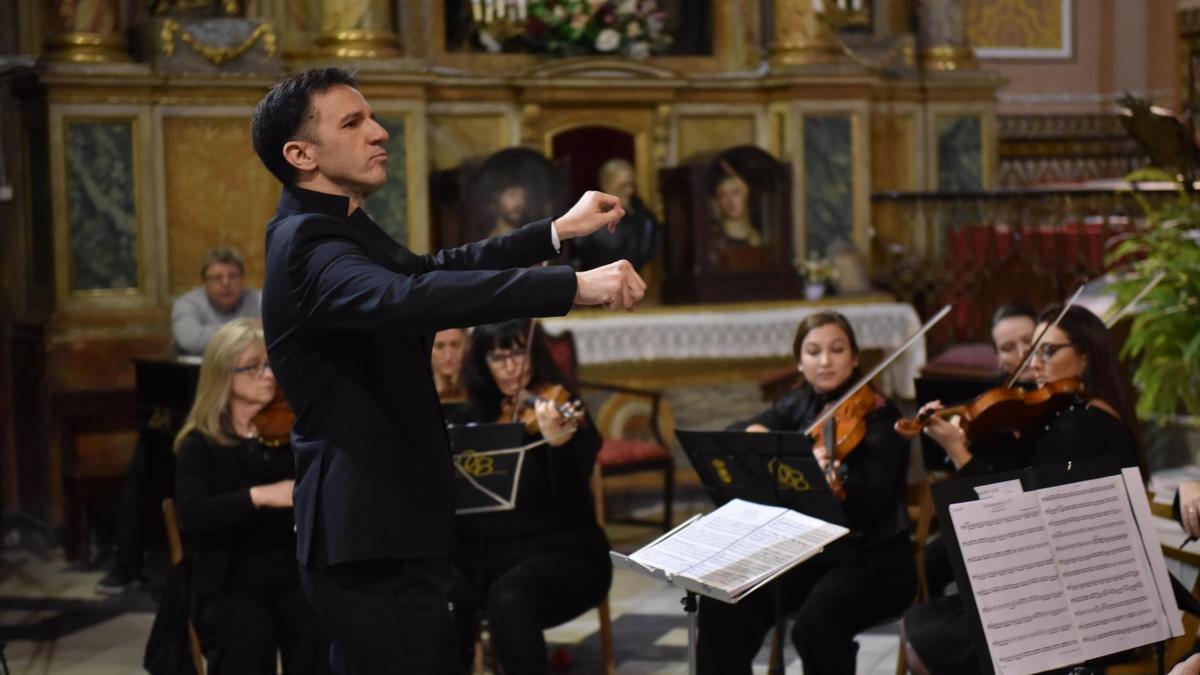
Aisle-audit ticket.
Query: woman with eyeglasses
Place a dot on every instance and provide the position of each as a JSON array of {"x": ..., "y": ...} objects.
[
  {"x": 1098, "y": 422},
  {"x": 546, "y": 561},
  {"x": 234, "y": 499}
]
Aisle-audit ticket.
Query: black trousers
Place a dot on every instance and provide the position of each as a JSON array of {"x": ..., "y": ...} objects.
[
  {"x": 524, "y": 587},
  {"x": 243, "y": 627},
  {"x": 832, "y": 597},
  {"x": 386, "y": 616}
]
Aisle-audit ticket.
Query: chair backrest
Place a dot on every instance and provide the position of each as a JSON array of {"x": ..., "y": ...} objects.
[
  {"x": 174, "y": 540},
  {"x": 597, "y": 484},
  {"x": 562, "y": 350},
  {"x": 921, "y": 497}
]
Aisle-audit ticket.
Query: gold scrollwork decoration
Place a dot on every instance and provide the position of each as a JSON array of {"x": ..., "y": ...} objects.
[
  {"x": 477, "y": 465},
  {"x": 217, "y": 55},
  {"x": 789, "y": 477},
  {"x": 722, "y": 471}
]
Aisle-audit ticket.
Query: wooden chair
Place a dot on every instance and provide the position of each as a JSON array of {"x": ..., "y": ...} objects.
[
  {"x": 175, "y": 546},
  {"x": 602, "y": 610},
  {"x": 622, "y": 456}
]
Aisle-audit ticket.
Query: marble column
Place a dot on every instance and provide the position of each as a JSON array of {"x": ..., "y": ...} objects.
[
  {"x": 357, "y": 29},
  {"x": 942, "y": 35},
  {"x": 800, "y": 36},
  {"x": 85, "y": 31}
]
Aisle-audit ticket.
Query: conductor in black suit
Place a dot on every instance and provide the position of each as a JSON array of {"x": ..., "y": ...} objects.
[{"x": 349, "y": 317}]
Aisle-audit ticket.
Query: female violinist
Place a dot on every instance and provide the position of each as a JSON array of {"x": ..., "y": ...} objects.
[
  {"x": 1097, "y": 421},
  {"x": 546, "y": 561},
  {"x": 860, "y": 580},
  {"x": 234, "y": 498}
]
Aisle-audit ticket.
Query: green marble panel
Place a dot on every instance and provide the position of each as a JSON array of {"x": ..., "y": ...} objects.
[
  {"x": 828, "y": 181},
  {"x": 389, "y": 206},
  {"x": 101, "y": 205},
  {"x": 960, "y": 153}
]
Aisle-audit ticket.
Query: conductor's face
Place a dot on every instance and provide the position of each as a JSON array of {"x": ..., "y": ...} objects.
[{"x": 345, "y": 141}]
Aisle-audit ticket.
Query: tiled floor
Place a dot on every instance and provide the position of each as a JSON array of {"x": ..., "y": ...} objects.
[{"x": 107, "y": 636}]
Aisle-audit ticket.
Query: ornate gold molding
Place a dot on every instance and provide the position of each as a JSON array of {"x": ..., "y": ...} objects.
[
  {"x": 217, "y": 55},
  {"x": 948, "y": 58},
  {"x": 801, "y": 36},
  {"x": 358, "y": 44},
  {"x": 87, "y": 48}
]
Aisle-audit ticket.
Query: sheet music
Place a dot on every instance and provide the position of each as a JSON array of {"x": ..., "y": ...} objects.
[
  {"x": 706, "y": 537},
  {"x": 787, "y": 538},
  {"x": 1103, "y": 564},
  {"x": 737, "y": 546},
  {"x": 1060, "y": 574},
  {"x": 1024, "y": 610}
]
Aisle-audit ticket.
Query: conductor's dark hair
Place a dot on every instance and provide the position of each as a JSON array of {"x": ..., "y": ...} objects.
[
  {"x": 1011, "y": 310},
  {"x": 483, "y": 396},
  {"x": 284, "y": 113}
]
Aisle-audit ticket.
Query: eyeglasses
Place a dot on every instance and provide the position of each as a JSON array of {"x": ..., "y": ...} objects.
[
  {"x": 1047, "y": 350},
  {"x": 497, "y": 358},
  {"x": 255, "y": 369}
]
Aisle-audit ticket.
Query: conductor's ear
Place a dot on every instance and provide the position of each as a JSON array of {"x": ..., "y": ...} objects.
[{"x": 300, "y": 155}]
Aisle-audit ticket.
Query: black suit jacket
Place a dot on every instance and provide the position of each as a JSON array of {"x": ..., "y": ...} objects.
[{"x": 349, "y": 316}]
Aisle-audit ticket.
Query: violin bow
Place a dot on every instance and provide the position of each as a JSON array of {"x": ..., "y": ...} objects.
[
  {"x": 1012, "y": 380},
  {"x": 525, "y": 365},
  {"x": 879, "y": 368},
  {"x": 1116, "y": 316}
]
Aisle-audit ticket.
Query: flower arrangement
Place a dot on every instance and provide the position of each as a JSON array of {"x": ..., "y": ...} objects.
[
  {"x": 817, "y": 270},
  {"x": 632, "y": 28}
]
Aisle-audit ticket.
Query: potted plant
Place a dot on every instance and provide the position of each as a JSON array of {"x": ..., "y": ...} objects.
[{"x": 1164, "y": 336}]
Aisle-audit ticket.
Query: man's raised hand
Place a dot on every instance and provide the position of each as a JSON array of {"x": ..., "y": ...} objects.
[
  {"x": 593, "y": 211},
  {"x": 615, "y": 286}
]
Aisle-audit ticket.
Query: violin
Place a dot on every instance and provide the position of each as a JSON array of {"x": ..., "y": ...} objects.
[
  {"x": 274, "y": 422},
  {"x": 1006, "y": 408},
  {"x": 520, "y": 408},
  {"x": 1000, "y": 409},
  {"x": 845, "y": 419}
]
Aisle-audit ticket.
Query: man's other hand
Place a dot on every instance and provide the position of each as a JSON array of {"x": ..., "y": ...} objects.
[
  {"x": 616, "y": 285},
  {"x": 593, "y": 211}
]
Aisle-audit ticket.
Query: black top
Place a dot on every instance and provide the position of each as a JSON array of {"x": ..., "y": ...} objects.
[
  {"x": 554, "y": 492},
  {"x": 349, "y": 317},
  {"x": 875, "y": 473},
  {"x": 1076, "y": 432},
  {"x": 223, "y": 530}
]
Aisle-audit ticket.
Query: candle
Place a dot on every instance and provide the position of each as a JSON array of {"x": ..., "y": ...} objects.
[
  {"x": 489, "y": 8},
  {"x": 477, "y": 10},
  {"x": 500, "y": 7},
  {"x": 522, "y": 10}
]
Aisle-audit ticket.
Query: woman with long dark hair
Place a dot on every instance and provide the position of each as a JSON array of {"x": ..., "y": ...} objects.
[
  {"x": 546, "y": 561},
  {"x": 859, "y": 580},
  {"x": 1098, "y": 422}
]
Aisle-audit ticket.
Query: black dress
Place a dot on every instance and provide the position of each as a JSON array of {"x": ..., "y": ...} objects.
[
  {"x": 940, "y": 630},
  {"x": 247, "y": 603},
  {"x": 539, "y": 565},
  {"x": 859, "y": 581}
]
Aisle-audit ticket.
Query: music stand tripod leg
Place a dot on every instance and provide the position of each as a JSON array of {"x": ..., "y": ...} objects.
[{"x": 690, "y": 606}]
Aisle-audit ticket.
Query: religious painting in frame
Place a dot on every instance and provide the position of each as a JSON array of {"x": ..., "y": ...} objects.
[{"x": 1020, "y": 29}]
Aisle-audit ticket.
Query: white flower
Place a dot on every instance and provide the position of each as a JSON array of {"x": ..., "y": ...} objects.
[
  {"x": 627, "y": 7},
  {"x": 639, "y": 50},
  {"x": 633, "y": 30},
  {"x": 608, "y": 40},
  {"x": 559, "y": 12}
]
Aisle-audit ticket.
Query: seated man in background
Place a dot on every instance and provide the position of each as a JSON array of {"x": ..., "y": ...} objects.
[{"x": 199, "y": 313}]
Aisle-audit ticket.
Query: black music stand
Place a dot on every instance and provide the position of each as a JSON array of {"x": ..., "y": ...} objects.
[
  {"x": 774, "y": 468},
  {"x": 487, "y": 466}
]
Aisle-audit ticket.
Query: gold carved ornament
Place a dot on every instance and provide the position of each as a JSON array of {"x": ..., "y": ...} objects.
[{"x": 217, "y": 55}]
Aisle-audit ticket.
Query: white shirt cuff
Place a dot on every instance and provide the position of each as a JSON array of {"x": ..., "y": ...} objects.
[{"x": 554, "y": 237}]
